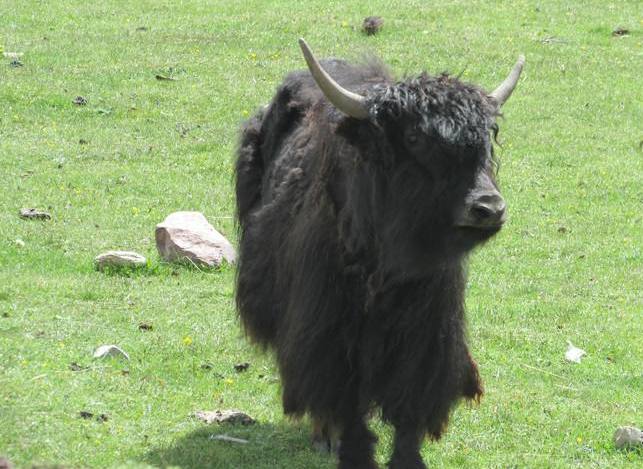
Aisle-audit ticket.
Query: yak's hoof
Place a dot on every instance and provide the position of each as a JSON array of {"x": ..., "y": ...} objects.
[
  {"x": 326, "y": 445},
  {"x": 321, "y": 445},
  {"x": 361, "y": 465},
  {"x": 406, "y": 463}
]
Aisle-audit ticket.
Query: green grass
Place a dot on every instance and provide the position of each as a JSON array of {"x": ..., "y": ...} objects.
[{"x": 571, "y": 158}]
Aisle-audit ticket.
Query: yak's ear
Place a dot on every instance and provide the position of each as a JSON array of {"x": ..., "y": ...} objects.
[
  {"x": 501, "y": 94},
  {"x": 346, "y": 101}
]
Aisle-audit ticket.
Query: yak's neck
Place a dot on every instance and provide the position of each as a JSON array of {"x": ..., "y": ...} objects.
[{"x": 441, "y": 286}]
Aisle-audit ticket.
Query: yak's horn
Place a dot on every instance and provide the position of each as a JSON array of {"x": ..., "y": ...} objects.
[
  {"x": 502, "y": 93},
  {"x": 346, "y": 101}
]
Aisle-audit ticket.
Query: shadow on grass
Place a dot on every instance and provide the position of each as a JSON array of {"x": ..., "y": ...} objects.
[
  {"x": 269, "y": 446},
  {"x": 162, "y": 269}
]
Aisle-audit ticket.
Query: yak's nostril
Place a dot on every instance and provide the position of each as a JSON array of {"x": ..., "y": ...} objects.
[
  {"x": 483, "y": 209},
  {"x": 481, "y": 212},
  {"x": 489, "y": 212}
]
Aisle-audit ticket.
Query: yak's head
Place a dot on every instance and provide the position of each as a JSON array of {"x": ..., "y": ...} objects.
[{"x": 439, "y": 133}]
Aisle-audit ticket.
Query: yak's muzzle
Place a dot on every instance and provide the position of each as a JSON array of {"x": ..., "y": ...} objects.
[
  {"x": 484, "y": 207},
  {"x": 488, "y": 210}
]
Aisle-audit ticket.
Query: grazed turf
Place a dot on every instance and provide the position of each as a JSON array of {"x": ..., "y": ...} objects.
[{"x": 568, "y": 266}]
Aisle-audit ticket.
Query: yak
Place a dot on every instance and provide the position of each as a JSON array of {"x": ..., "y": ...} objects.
[{"x": 358, "y": 199}]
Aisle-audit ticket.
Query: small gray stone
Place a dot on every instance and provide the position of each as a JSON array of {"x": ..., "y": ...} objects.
[
  {"x": 119, "y": 259},
  {"x": 628, "y": 437},
  {"x": 187, "y": 236},
  {"x": 34, "y": 214}
]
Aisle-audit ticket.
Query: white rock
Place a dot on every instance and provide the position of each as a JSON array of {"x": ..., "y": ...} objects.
[
  {"x": 110, "y": 351},
  {"x": 573, "y": 354},
  {"x": 188, "y": 236},
  {"x": 628, "y": 436},
  {"x": 20, "y": 243},
  {"x": 119, "y": 259}
]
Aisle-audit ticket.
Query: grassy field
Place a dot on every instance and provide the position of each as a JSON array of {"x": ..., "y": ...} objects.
[{"x": 568, "y": 265}]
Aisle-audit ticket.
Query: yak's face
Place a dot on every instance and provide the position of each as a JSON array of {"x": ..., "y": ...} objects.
[
  {"x": 439, "y": 132},
  {"x": 462, "y": 178},
  {"x": 465, "y": 175}
]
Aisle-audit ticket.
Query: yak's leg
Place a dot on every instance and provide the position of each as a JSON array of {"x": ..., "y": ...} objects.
[
  {"x": 321, "y": 441},
  {"x": 357, "y": 441},
  {"x": 406, "y": 449},
  {"x": 325, "y": 437}
]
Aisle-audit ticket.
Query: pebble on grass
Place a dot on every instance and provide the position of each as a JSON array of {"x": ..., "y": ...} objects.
[{"x": 34, "y": 214}]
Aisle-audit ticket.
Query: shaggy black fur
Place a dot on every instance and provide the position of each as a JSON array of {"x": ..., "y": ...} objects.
[{"x": 351, "y": 268}]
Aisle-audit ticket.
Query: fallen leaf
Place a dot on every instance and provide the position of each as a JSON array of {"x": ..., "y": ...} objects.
[
  {"x": 574, "y": 354},
  {"x": 224, "y": 416},
  {"x": 110, "y": 351}
]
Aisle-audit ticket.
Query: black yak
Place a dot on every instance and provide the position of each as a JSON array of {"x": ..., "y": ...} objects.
[{"x": 358, "y": 200}]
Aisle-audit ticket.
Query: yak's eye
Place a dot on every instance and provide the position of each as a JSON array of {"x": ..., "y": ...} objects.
[{"x": 412, "y": 138}]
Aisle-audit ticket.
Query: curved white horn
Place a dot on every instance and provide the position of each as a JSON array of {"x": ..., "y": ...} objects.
[
  {"x": 346, "y": 101},
  {"x": 502, "y": 93}
]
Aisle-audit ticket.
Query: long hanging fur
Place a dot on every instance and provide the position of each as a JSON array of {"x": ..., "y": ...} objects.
[{"x": 347, "y": 268}]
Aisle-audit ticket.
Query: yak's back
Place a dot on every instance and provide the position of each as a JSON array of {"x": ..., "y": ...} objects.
[
  {"x": 271, "y": 139},
  {"x": 302, "y": 89}
]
